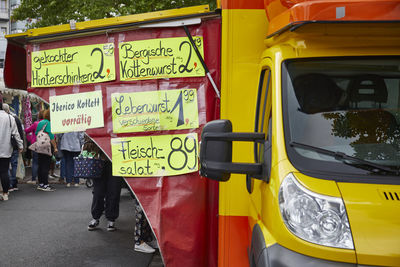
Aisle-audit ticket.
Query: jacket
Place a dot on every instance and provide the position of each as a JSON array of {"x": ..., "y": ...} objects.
[
  {"x": 72, "y": 141},
  {"x": 30, "y": 132},
  {"x": 5, "y": 134}
]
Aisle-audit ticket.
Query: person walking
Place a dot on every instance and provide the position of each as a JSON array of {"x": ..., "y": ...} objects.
[
  {"x": 61, "y": 160},
  {"x": 31, "y": 135},
  {"x": 71, "y": 145},
  {"x": 15, "y": 153},
  {"x": 143, "y": 233},
  {"x": 8, "y": 127},
  {"x": 106, "y": 192},
  {"x": 44, "y": 160},
  {"x": 106, "y": 197}
]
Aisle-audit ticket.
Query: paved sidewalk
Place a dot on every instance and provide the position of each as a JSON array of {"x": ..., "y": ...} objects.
[{"x": 50, "y": 229}]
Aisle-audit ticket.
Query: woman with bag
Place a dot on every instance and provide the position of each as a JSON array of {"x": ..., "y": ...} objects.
[
  {"x": 44, "y": 156},
  {"x": 71, "y": 144},
  {"x": 8, "y": 127},
  {"x": 31, "y": 134}
]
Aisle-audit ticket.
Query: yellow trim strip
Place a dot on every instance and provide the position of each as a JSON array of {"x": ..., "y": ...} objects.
[{"x": 112, "y": 21}]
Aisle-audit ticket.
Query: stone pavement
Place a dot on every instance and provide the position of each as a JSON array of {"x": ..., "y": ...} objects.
[{"x": 50, "y": 229}]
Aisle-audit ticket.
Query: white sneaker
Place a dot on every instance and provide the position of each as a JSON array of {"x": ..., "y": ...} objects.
[
  {"x": 5, "y": 196},
  {"x": 76, "y": 185},
  {"x": 144, "y": 248},
  {"x": 111, "y": 226},
  {"x": 31, "y": 182},
  {"x": 93, "y": 224},
  {"x": 68, "y": 184}
]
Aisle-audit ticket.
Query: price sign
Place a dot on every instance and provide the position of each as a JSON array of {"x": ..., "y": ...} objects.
[
  {"x": 76, "y": 112},
  {"x": 155, "y": 111},
  {"x": 73, "y": 65},
  {"x": 149, "y": 156},
  {"x": 160, "y": 58}
]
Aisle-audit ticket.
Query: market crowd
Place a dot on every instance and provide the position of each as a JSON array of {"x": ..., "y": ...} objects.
[{"x": 21, "y": 147}]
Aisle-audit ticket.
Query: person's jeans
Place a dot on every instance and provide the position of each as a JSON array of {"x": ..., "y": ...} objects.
[
  {"x": 106, "y": 194},
  {"x": 69, "y": 165},
  {"x": 62, "y": 168},
  {"x": 13, "y": 171},
  {"x": 44, "y": 167},
  {"x": 35, "y": 165},
  {"x": 5, "y": 180}
]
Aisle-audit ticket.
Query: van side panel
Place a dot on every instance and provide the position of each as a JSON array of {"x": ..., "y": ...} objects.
[{"x": 244, "y": 27}]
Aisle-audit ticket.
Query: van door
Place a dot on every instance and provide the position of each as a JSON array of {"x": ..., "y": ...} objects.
[{"x": 257, "y": 186}]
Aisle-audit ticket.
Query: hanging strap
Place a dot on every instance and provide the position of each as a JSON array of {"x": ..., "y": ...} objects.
[
  {"x": 201, "y": 60},
  {"x": 10, "y": 126},
  {"x": 43, "y": 127}
]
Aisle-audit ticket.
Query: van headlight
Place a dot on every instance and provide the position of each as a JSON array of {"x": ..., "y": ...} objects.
[{"x": 313, "y": 217}]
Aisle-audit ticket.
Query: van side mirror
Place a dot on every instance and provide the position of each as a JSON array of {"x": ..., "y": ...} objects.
[{"x": 216, "y": 151}]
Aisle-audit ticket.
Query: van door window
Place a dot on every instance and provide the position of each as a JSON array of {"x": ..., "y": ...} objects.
[
  {"x": 262, "y": 124},
  {"x": 262, "y": 111}
]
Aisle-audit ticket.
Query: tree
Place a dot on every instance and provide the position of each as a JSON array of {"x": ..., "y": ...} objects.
[{"x": 55, "y": 12}]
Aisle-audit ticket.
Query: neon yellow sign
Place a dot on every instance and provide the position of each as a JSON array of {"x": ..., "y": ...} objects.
[
  {"x": 73, "y": 65},
  {"x": 149, "y": 156},
  {"x": 155, "y": 111},
  {"x": 160, "y": 58}
]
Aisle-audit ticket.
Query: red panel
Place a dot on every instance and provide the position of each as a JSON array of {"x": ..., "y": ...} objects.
[
  {"x": 233, "y": 241},
  {"x": 15, "y": 67},
  {"x": 182, "y": 210},
  {"x": 242, "y": 4}
]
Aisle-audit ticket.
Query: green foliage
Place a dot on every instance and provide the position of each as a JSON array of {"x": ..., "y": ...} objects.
[{"x": 55, "y": 12}]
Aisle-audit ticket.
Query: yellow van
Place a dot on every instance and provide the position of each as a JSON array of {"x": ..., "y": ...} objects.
[{"x": 322, "y": 160}]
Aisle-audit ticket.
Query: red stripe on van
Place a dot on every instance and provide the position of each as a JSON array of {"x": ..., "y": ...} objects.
[{"x": 242, "y": 4}]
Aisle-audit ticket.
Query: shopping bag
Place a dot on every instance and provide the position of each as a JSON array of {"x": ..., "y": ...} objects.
[
  {"x": 87, "y": 166},
  {"x": 20, "y": 167},
  {"x": 42, "y": 144}
]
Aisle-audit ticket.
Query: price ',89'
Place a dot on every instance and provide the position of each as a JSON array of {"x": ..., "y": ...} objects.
[
  {"x": 183, "y": 153},
  {"x": 159, "y": 155}
]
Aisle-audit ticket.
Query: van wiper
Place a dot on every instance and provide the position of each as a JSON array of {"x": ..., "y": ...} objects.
[{"x": 343, "y": 157}]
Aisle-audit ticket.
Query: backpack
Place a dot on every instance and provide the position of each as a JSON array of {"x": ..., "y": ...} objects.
[{"x": 42, "y": 144}]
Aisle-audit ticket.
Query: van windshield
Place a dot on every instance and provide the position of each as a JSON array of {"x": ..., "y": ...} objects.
[{"x": 350, "y": 106}]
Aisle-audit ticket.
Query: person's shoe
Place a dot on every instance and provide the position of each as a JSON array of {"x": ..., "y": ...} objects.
[
  {"x": 111, "y": 226},
  {"x": 5, "y": 196},
  {"x": 47, "y": 188},
  {"x": 93, "y": 224},
  {"x": 68, "y": 184},
  {"x": 153, "y": 243},
  {"x": 11, "y": 189},
  {"x": 76, "y": 185},
  {"x": 144, "y": 248},
  {"x": 15, "y": 188},
  {"x": 40, "y": 187},
  {"x": 31, "y": 182}
]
